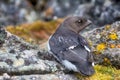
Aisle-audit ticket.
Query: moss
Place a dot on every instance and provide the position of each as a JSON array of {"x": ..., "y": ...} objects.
[
  {"x": 103, "y": 73},
  {"x": 36, "y": 31}
]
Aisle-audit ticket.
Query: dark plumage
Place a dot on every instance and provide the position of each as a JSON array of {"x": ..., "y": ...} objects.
[{"x": 70, "y": 48}]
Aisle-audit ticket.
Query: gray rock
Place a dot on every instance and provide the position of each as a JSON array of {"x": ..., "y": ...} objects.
[
  {"x": 16, "y": 12},
  {"x": 109, "y": 55},
  {"x": 2, "y": 35},
  {"x": 20, "y": 60},
  {"x": 56, "y": 76}
]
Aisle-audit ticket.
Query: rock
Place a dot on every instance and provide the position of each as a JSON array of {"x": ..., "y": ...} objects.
[
  {"x": 6, "y": 76},
  {"x": 20, "y": 60},
  {"x": 105, "y": 43},
  {"x": 57, "y": 76},
  {"x": 3, "y": 35},
  {"x": 16, "y": 12},
  {"x": 101, "y": 12}
]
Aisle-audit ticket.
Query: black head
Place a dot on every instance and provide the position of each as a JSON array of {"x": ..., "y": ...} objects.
[{"x": 76, "y": 23}]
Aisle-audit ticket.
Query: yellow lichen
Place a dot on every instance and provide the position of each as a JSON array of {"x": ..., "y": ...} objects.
[
  {"x": 90, "y": 42},
  {"x": 106, "y": 61},
  {"x": 107, "y": 27},
  {"x": 113, "y": 36},
  {"x": 97, "y": 52},
  {"x": 101, "y": 47},
  {"x": 102, "y": 73}
]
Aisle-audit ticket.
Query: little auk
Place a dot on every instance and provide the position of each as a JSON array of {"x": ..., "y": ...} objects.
[{"x": 70, "y": 48}]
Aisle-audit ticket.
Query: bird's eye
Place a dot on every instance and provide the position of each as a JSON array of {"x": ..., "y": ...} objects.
[{"x": 79, "y": 21}]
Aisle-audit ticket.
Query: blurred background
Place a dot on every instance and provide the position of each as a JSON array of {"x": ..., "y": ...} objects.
[{"x": 36, "y": 20}]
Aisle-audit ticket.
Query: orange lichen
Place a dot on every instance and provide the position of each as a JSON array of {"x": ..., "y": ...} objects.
[
  {"x": 112, "y": 45},
  {"x": 49, "y": 12},
  {"x": 118, "y": 46}
]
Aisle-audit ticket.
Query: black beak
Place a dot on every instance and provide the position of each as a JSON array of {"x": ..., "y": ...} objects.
[{"x": 89, "y": 22}]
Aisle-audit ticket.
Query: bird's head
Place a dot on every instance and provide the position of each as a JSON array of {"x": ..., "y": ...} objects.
[{"x": 76, "y": 23}]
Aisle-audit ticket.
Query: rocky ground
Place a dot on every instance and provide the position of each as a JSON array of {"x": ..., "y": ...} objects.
[
  {"x": 101, "y": 12},
  {"x": 105, "y": 43},
  {"x": 18, "y": 57},
  {"x": 24, "y": 61},
  {"x": 20, "y": 60}
]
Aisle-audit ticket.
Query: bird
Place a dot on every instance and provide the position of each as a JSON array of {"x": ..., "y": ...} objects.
[{"x": 70, "y": 48}]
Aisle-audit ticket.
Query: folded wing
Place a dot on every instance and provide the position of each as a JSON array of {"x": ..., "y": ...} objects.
[{"x": 73, "y": 53}]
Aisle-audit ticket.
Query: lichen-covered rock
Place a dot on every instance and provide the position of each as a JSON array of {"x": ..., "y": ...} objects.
[
  {"x": 56, "y": 76},
  {"x": 16, "y": 12},
  {"x": 2, "y": 35},
  {"x": 105, "y": 43},
  {"x": 18, "y": 58}
]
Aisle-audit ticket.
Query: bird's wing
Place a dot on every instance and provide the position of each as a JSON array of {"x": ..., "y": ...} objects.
[
  {"x": 72, "y": 53},
  {"x": 62, "y": 43},
  {"x": 86, "y": 46},
  {"x": 76, "y": 60},
  {"x": 84, "y": 43}
]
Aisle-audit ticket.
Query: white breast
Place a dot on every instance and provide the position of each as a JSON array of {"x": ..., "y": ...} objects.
[{"x": 69, "y": 65}]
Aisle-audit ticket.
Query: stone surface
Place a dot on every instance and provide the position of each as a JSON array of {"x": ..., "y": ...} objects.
[
  {"x": 55, "y": 76},
  {"x": 101, "y": 12},
  {"x": 3, "y": 35},
  {"x": 20, "y": 60},
  {"x": 109, "y": 36},
  {"x": 16, "y": 12}
]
